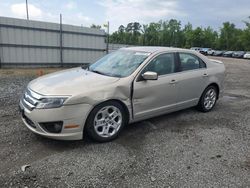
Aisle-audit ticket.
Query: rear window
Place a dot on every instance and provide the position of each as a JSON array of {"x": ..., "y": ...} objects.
[{"x": 190, "y": 62}]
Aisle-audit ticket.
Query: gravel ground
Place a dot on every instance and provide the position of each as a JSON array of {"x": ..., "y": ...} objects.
[{"x": 182, "y": 149}]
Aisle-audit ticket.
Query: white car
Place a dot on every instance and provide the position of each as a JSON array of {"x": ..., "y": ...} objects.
[
  {"x": 210, "y": 52},
  {"x": 247, "y": 55}
]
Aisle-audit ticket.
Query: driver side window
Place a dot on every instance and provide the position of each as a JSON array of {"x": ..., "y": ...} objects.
[{"x": 162, "y": 64}]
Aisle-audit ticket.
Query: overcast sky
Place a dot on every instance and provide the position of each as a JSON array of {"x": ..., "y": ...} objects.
[{"x": 85, "y": 12}]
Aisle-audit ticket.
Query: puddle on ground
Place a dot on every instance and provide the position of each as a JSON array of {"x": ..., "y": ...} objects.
[{"x": 229, "y": 98}]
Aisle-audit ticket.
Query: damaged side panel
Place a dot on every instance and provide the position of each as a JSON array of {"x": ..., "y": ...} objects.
[
  {"x": 120, "y": 91},
  {"x": 153, "y": 97}
]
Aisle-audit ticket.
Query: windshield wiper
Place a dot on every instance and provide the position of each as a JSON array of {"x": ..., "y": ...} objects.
[
  {"x": 96, "y": 71},
  {"x": 102, "y": 73}
]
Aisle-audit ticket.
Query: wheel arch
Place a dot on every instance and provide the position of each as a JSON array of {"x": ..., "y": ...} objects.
[{"x": 127, "y": 114}]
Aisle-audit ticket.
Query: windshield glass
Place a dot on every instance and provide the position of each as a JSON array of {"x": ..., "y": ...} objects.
[{"x": 121, "y": 63}]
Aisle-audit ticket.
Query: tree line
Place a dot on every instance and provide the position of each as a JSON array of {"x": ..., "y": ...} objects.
[{"x": 171, "y": 33}]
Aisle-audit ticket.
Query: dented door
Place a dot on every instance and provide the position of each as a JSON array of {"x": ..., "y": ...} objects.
[{"x": 154, "y": 97}]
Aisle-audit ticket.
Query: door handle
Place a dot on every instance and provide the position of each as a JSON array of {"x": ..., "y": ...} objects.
[
  {"x": 173, "y": 82},
  {"x": 205, "y": 75}
]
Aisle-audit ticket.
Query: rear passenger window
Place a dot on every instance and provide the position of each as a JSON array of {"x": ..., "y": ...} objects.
[{"x": 190, "y": 62}]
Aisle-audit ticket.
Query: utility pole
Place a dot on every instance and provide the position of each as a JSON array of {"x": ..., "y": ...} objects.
[
  {"x": 1, "y": 49},
  {"x": 27, "y": 9},
  {"x": 107, "y": 42},
  {"x": 61, "y": 42}
]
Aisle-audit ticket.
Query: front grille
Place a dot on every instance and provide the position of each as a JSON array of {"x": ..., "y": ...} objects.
[
  {"x": 27, "y": 105},
  {"x": 30, "y": 99}
]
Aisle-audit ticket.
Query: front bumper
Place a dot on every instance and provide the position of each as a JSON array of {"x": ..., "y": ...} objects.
[{"x": 68, "y": 114}]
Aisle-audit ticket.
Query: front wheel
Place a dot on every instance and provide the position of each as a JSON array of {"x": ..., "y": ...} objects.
[
  {"x": 106, "y": 121},
  {"x": 208, "y": 99}
]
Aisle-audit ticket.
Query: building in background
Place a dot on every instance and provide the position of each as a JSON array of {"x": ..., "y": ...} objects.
[{"x": 25, "y": 43}]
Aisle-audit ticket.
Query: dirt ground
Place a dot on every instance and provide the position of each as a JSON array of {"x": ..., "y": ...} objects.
[{"x": 181, "y": 149}]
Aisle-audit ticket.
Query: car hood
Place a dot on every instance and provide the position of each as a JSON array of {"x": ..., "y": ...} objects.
[{"x": 69, "y": 82}]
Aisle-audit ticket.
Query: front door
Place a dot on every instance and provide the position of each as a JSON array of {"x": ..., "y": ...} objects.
[{"x": 154, "y": 97}]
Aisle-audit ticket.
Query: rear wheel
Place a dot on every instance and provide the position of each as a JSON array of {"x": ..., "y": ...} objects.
[
  {"x": 106, "y": 121},
  {"x": 208, "y": 99}
]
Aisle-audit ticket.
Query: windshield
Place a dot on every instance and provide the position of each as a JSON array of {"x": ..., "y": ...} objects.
[{"x": 121, "y": 63}]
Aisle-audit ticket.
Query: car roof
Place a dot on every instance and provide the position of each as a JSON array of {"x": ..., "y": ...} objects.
[
  {"x": 153, "y": 49},
  {"x": 161, "y": 49}
]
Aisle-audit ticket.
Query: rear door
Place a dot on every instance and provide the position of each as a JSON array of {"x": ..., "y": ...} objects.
[
  {"x": 192, "y": 79},
  {"x": 154, "y": 97}
]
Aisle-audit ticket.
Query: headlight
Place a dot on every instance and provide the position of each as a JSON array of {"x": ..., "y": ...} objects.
[{"x": 46, "y": 103}]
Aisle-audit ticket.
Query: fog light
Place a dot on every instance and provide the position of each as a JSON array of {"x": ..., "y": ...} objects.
[{"x": 52, "y": 127}]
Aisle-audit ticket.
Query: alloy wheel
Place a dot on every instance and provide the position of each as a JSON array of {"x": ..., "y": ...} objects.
[
  {"x": 107, "y": 121},
  {"x": 210, "y": 99}
]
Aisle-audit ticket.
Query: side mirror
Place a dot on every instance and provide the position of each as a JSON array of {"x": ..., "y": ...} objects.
[{"x": 150, "y": 75}]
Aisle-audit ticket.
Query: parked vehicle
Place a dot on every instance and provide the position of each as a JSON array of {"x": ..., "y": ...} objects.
[
  {"x": 204, "y": 51},
  {"x": 247, "y": 55},
  {"x": 196, "y": 49},
  {"x": 218, "y": 53},
  {"x": 228, "y": 54},
  {"x": 210, "y": 52},
  {"x": 238, "y": 54},
  {"x": 129, "y": 85}
]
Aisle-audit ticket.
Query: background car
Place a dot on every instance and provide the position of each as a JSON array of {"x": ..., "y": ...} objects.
[
  {"x": 247, "y": 55},
  {"x": 238, "y": 54},
  {"x": 205, "y": 50},
  {"x": 210, "y": 52},
  {"x": 218, "y": 53},
  {"x": 228, "y": 54},
  {"x": 196, "y": 48}
]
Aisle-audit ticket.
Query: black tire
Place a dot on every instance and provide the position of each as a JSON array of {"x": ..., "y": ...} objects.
[
  {"x": 201, "y": 105},
  {"x": 90, "y": 123}
]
